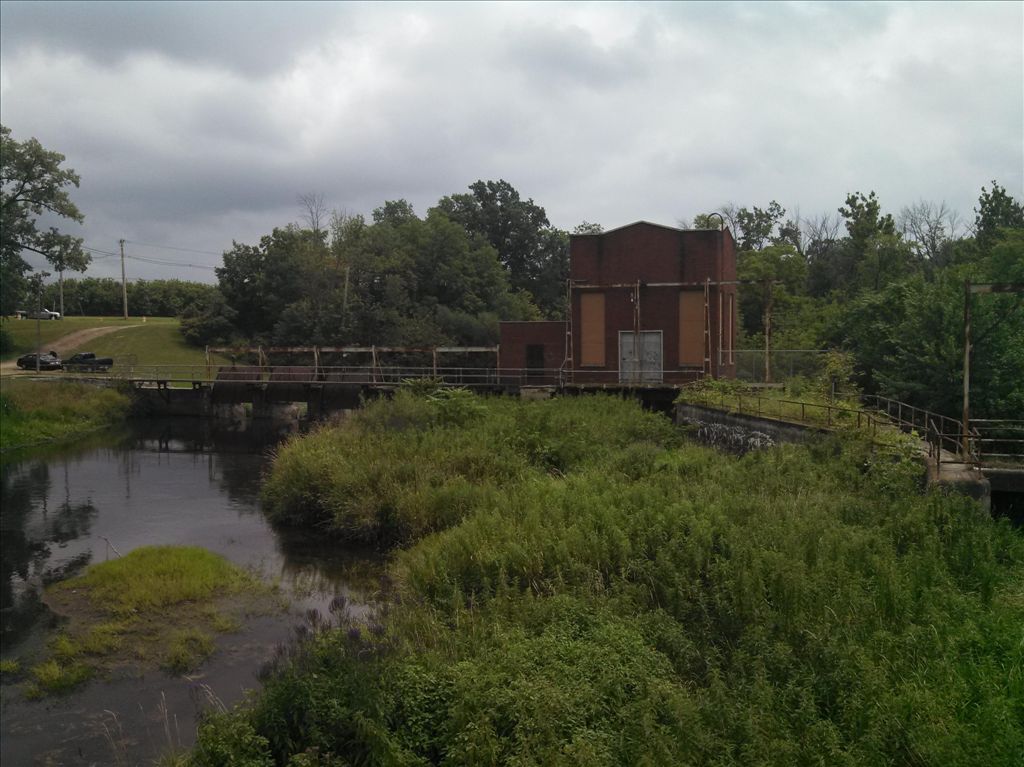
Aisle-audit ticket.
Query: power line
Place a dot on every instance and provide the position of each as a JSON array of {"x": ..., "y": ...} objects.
[
  {"x": 97, "y": 250},
  {"x": 161, "y": 262},
  {"x": 172, "y": 247}
]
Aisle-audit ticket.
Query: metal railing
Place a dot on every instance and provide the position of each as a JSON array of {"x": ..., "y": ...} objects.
[
  {"x": 939, "y": 432},
  {"x": 368, "y": 374},
  {"x": 998, "y": 440}
]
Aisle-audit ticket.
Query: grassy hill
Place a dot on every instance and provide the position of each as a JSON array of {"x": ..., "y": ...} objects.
[{"x": 153, "y": 341}]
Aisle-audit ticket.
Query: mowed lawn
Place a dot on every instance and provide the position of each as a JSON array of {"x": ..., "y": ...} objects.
[
  {"x": 23, "y": 332},
  {"x": 157, "y": 341},
  {"x": 153, "y": 343}
]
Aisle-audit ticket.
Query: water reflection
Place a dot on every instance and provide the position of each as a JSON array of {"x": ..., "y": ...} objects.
[
  {"x": 30, "y": 525},
  {"x": 176, "y": 482}
]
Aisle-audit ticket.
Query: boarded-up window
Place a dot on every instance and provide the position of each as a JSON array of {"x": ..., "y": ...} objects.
[
  {"x": 691, "y": 327},
  {"x": 592, "y": 329}
]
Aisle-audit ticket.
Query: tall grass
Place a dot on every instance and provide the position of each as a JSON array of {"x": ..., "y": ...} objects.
[
  {"x": 657, "y": 603},
  {"x": 402, "y": 468},
  {"x": 35, "y": 412}
]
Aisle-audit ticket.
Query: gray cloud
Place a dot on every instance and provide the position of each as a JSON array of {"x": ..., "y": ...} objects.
[
  {"x": 196, "y": 125},
  {"x": 249, "y": 38}
]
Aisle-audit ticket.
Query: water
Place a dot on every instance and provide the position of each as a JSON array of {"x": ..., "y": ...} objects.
[{"x": 179, "y": 482}]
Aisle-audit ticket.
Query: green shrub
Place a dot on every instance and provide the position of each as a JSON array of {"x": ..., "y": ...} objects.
[{"x": 601, "y": 594}]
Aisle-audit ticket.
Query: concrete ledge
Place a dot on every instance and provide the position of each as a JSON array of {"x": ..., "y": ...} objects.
[{"x": 779, "y": 431}]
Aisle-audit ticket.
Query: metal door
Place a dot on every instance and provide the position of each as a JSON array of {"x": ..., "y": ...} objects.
[{"x": 640, "y": 362}]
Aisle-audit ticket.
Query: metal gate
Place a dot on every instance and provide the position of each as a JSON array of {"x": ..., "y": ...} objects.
[{"x": 640, "y": 362}]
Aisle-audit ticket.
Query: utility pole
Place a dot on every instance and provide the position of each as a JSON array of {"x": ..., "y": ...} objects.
[
  {"x": 124, "y": 283},
  {"x": 965, "y": 445},
  {"x": 769, "y": 300}
]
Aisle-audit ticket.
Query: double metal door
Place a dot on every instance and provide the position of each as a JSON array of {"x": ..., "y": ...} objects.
[{"x": 640, "y": 357}]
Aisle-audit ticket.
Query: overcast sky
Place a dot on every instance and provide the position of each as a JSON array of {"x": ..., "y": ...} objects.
[{"x": 193, "y": 125}]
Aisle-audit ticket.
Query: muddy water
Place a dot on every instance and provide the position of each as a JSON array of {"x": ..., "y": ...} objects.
[{"x": 180, "y": 483}]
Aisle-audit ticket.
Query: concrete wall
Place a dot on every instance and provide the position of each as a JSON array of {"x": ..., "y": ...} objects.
[{"x": 779, "y": 431}]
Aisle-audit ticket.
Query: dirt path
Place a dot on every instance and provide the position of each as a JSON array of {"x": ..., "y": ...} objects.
[{"x": 69, "y": 343}]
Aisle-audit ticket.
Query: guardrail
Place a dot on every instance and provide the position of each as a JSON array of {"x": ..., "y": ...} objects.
[
  {"x": 999, "y": 440},
  {"x": 941, "y": 432},
  {"x": 938, "y": 432}
]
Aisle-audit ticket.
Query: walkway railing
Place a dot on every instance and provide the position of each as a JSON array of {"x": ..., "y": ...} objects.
[
  {"x": 370, "y": 375},
  {"x": 939, "y": 432}
]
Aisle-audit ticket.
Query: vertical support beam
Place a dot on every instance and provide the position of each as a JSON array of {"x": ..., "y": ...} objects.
[
  {"x": 965, "y": 446},
  {"x": 721, "y": 314},
  {"x": 570, "y": 352},
  {"x": 707, "y": 328},
  {"x": 434, "y": 357}
]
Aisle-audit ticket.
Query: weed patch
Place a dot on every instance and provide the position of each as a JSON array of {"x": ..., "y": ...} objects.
[
  {"x": 606, "y": 595},
  {"x": 35, "y": 412},
  {"x": 120, "y": 613}
]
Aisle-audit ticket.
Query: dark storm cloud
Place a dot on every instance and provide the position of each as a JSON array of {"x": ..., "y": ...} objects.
[{"x": 253, "y": 39}]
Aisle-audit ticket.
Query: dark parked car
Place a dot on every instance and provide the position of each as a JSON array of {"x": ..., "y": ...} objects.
[
  {"x": 47, "y": 361},
  {"x": 87, "y": 361}
]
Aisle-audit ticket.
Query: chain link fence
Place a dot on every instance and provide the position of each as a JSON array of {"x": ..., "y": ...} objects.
[{"x": 784, "y": 364}]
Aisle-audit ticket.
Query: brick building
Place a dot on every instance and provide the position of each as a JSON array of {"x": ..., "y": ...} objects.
[{"x": 649, "y": 305}]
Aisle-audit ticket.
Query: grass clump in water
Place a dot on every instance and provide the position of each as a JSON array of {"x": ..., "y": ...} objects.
[
  {"x": 188, "y": 649},
  {"x": 120, "y": 613},
  {"x": 55, "y": 677},
  {"x": 153, "y": 577}
]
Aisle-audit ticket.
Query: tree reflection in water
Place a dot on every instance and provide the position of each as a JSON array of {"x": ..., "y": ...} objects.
[{"x": 28, "y": 530}]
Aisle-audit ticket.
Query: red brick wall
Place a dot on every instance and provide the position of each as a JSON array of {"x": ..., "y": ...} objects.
[
  {"x": 516, "y": 336},
  {"x": 652, "y": 254},
  {"x": 640, "y": 252}
]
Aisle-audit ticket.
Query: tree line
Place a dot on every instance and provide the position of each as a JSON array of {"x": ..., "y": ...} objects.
[
  {"x": 397, "y": 279},
  {"x": 888, "y": 289},
  {"x": 101, "y": 297}
]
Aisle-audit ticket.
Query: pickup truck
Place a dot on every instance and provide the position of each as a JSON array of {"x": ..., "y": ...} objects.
[{"x": 88, "y": 362}]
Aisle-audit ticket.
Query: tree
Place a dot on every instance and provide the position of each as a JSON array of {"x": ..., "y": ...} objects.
[
  {"x": 873, "y": 253},
  {"x": 64, "y": 253},
  {"x": 259, "y": 281},
  {"x": 32, "y": 183},
  {"x": 996, "y": 210},
  {"x": 930, "y": 229},
  {"x": 535, "y": 254},
  {"x": 314, "y": 211},
  {"x": 754, "y": 228}
]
